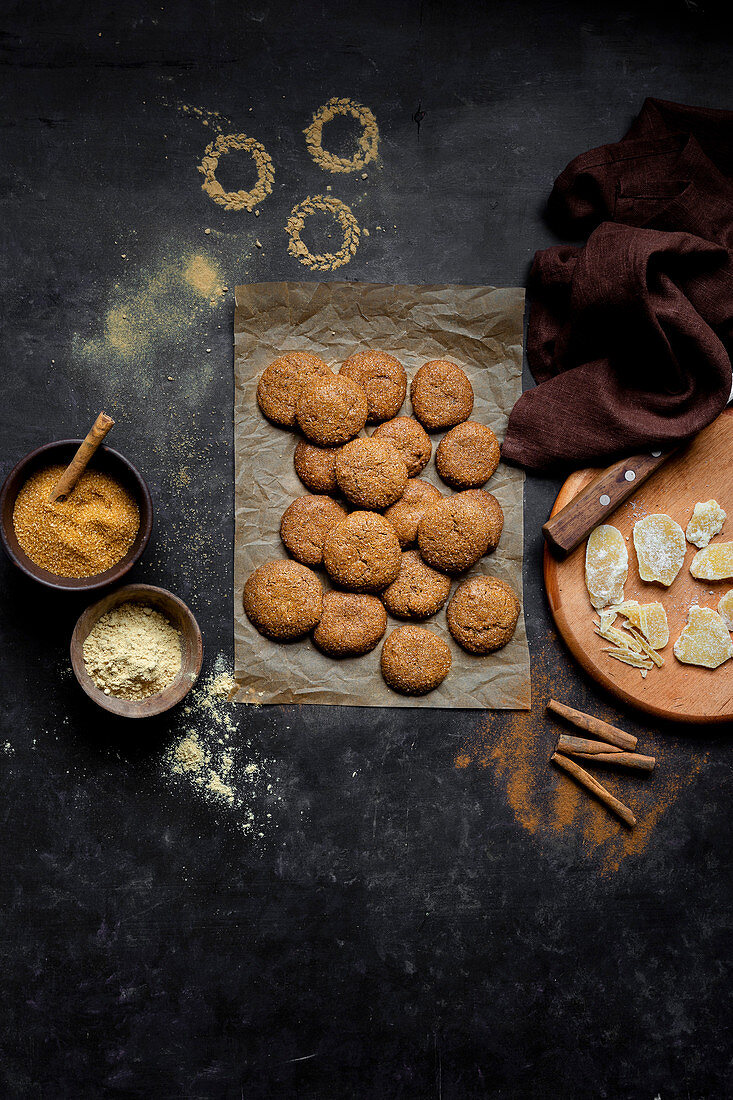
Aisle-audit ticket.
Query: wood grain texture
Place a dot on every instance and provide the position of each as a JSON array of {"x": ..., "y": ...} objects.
[{"x": 683, "y": 693}]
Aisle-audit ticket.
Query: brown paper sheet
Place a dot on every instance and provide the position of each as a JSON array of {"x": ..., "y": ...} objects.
[{"x": 479, "y": 328}]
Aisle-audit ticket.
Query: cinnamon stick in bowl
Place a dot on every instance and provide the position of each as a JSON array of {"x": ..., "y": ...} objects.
[{"x": 83, "y": 457}]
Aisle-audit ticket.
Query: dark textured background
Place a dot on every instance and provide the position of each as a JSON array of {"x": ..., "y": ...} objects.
[{"x": 392, "y": 929}]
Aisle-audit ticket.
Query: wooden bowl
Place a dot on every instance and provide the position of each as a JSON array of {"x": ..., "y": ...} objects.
[
  {"x": 107, "y": 460},
  {"x": 191, "y": 650}
]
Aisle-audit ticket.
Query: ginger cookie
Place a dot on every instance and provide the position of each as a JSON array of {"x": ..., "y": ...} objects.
[
  {"x": 467, "y": 455},
  {"x": 418, "y": 592},
  {"x": 370, "y": 473},
  {"x": 280, "y": 384},
  {"x": 331, "y": 410},
  {"x": 283, "y": 600},
  {"x": 315, "y": 467},
  {"x": 410, "y": 439},
  {"x": 441, "y": 395},
  {"x": 453, "y": 534},
  {"x": 362, "y": 552},
  {"x": 351, "y": 624},
  {"x": 410, "y": 508},
  {"x": 482, "y": 614},
  {"x": 305, "y": 524},
  {"x": 414, "y": 660},
  {"x": 493, "y": 510},
  {"x": 383, "y": 379}
]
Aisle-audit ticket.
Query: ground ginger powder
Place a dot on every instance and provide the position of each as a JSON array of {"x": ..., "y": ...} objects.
[
  {"x": 133, "y": 652},
  {"x": 81, "y": 536}
]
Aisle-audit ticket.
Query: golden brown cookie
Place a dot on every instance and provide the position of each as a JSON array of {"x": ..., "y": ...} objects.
[
  {"x": 410, "y": 508},
  {"x": 280, "y": 384},
  {"x": 383, "y": 379},
  {"x": 467, "y": 455},
  {"x": 362, "y": 552},
  {"x": 441, "y": 395},
  {"x": 283, "y": 599},
  {"x": 418, "y": 592},
  {"x": 410, "y": 439},
  {"x": 305, "y": 524},
  {"x": 453, "y": 534},
  {"x": 370, "y": 473},
  {"x": 331, "y": 410},
  {"x": 493, "y": 510},
  {"x": 414, "y": 660},
  {"x": 315, "y": 467},
  {"x": 483, "y": 613},
  {"x": 351, "y": 624}
]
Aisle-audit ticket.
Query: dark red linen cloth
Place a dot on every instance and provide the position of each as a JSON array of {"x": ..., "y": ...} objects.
[{"x": 630, "y": 336}]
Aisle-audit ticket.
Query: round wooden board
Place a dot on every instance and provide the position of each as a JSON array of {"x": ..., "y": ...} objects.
[{"x": 681, "y": 693}]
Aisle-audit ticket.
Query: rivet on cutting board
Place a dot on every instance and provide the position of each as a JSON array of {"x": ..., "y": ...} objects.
[
  {"x": 630, "y": 475},
  {"x": 604, "y": 500},
  {"x": 656, "y": 454}
]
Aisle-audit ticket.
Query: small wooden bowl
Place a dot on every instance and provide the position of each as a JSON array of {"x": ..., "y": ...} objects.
[
  {"x": 191, "y": 650},
  {"x": 105, "y": 459}
]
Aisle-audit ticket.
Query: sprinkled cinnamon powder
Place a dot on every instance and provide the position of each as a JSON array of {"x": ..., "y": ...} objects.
[{"x": 546, "y": 802}]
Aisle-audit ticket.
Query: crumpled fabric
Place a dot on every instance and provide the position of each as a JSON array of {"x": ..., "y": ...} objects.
[{"x": 630, "y": 335}]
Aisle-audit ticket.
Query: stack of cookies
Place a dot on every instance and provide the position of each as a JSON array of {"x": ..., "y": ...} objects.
[{"x": 389, "y": 540}]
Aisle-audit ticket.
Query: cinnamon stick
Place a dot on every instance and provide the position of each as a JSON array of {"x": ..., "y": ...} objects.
[
  {"x": 597, "y": 789},
  {"x": 604, "y": 754},
  {"x": 598, "y": 728},
  {"x": 569, "y": 744},
  {"x": 83, "y": 456}
]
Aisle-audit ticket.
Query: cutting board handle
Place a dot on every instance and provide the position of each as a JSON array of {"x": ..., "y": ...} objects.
[{"x": 593, "y": 504}]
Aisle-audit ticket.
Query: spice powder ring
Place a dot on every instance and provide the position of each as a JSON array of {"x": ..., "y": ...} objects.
[
  {"x": 237, "y": 200},
  {"x": 322, "y": 261},
  {"x": 366, "y": 146}
]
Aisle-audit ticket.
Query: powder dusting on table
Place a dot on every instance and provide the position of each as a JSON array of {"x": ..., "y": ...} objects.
[
  {"x": 213, "y": 758},
  {"x": 548, "y": 804},
  {"x": 157, "y": 306}
]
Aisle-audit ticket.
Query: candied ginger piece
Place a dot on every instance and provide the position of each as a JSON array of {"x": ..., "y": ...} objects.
[
  {"x": 628, "y": 658},
  {"x": 705, "y": 640},
  {"x": 653, "y": 624},
  {"x": 649, "y": 618},
  {"x": 725, "y": 609},
  {"x": 646, "y": 648},
  {"x": 606, "y": 566},
  {"x": 707, "y": 520},
  {"x": 630, "y": 611},
  {"x": 713, "y": 563},
  {"x": 660, "y": 548}
]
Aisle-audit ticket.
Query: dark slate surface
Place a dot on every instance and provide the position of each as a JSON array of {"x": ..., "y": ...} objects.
[{"x": 394, "y": 931}]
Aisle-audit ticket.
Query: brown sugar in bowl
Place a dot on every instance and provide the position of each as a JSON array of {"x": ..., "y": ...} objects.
[
  {"x": 106, "y": 460},
  {"x": 191, "y": 650}
]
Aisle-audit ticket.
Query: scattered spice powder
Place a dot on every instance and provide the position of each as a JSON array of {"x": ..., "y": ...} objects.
[
  {"x": 213, "y": 758},
  {"x": 547, "y": 803},
  {"x": 82, "y": 535},
  {"x": 133, "y": 651}
]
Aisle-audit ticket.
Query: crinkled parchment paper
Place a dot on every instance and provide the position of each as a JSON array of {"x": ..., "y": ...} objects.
[{"x": 478, "y": 327}]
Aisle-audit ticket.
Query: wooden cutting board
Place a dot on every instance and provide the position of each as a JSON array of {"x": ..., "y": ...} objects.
[{"x": 682, "y": 693}]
